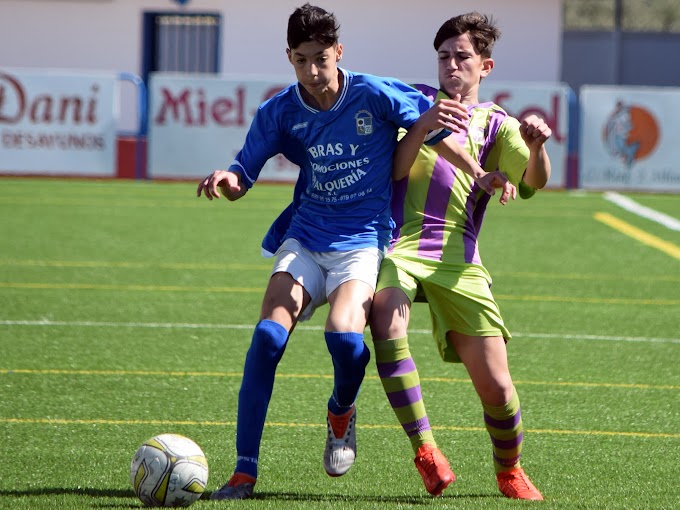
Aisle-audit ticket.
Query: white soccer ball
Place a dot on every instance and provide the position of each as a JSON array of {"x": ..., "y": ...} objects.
[{"x": 169, "y": 470}]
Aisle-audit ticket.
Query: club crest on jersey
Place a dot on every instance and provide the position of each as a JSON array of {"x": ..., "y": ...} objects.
[
  {"x": 477, "y": 134},
  {"x": 364, "y": 121}
]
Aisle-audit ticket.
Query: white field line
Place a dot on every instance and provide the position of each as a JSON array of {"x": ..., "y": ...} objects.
[
  {"x": 645, "y": 212},
  {"x": 177, "y": 325}
]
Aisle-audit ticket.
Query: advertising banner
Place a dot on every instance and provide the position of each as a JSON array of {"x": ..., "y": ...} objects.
[
  {"x": 548, "y": 101},
  {"x": 630, "y": 138},
  {"x": 58, "y": 122},
  {"x": 198, "y": 123}
]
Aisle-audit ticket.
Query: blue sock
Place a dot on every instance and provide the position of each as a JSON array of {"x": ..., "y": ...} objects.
[
  {"x": 266, "y": 348},
  {"x": 350, "y": 356}
]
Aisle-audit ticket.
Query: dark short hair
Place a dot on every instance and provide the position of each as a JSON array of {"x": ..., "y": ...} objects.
[
  {"x": 311, "y": 23},
  {"x": 482, "y": 29}
]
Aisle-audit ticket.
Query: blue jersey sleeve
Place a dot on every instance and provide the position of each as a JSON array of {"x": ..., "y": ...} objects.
[
  {"x": 405, "y": 103},
  {"x": 415, "y": 101},
  {"x": 263, "y": 141}
]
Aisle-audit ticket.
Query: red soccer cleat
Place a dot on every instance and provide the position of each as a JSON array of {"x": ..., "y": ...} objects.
[
  {"x": 434, "y": 469},
  {"x": 516, "y": 484}
]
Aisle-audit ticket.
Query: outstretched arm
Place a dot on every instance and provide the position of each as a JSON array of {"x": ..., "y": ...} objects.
[
  {"x": 455, "y": 154},
  {"x": 535, "y": 132},
  {"x": 444, "y": 114},
  {"x": 407, "y": 150},
  {"x": 452, "y": 115},
  {"x": 228, "y": 182}
]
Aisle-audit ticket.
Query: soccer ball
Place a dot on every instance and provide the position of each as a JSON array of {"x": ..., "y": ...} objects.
[{"x": 169, "y": 470}]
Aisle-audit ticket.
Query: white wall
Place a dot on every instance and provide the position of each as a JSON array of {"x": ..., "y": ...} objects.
[
  {"x": 394, "y": 37},
  {"x": 389, "y": 37}
]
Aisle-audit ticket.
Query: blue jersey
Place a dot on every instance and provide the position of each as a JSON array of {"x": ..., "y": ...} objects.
[{"x": 342, "y": 197}]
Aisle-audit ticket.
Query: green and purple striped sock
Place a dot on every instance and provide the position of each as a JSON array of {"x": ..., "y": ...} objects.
[
  {"x": 399, "y": 377},
  {"x": 504, "y": 424}
]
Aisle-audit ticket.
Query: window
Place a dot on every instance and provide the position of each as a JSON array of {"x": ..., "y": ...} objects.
[{"x": 181, "y": 42}]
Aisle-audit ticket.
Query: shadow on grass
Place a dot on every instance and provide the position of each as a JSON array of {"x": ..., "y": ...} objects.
[
  {"x": 329, "y": 498},
  {"x": 78, "y": 491},
  {"x": 268, "y": 496}
]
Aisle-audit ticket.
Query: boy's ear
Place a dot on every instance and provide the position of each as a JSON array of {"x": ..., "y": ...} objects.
[
  {"x": 338, "y": 52},
  {"x": 487, "y": 66}
]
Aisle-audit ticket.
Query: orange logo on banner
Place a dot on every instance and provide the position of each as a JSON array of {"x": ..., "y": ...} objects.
[{"x": 631, "y": 133}]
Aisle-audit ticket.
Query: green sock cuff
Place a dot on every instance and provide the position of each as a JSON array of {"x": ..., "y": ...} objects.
[
  {"x": 394, "y": 349},
  {"x": 421, "y": 439},
  {"x": 501, "y": 412}
]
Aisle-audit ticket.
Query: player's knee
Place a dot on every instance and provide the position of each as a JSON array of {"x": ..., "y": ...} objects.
[
  {"x": 385, "y": 327},
  {"x": 496, "y": 392},
  {"x": 388, "y": 319},
  {"x": 269, "y": 340},
  {"x": 348, "y": 349}
]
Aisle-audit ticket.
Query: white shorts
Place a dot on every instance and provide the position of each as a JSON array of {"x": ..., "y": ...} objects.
[{"x": 320, "y": 273}]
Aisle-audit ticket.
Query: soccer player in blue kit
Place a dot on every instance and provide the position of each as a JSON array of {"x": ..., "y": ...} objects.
[{"x": 340, "y": 128}]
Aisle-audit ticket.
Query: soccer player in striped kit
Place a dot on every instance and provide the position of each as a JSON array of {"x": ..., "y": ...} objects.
[
  {"x": 341, "y": 128},
  {"x": 435, "y": 258}
]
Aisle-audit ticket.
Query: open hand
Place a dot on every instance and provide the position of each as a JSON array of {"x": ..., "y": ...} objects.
[
  {"x": 491, "y": 181},
  {"x": 448, "y": 114},
  {"x": 228, "y": 183}
]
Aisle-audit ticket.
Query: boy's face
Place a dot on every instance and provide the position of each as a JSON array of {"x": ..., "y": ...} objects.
[
  {"x": 316, "y": 65},
  {"x": 461, "y": 68}
]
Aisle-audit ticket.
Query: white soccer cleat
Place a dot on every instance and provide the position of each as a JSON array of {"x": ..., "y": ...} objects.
[{"x": 341, "y": 443}]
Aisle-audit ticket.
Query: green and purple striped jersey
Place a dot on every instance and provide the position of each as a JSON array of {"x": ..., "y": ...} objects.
[{"x": 439, "y": 209}]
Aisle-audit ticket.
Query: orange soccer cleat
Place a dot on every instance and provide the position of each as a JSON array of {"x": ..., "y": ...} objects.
[
  {"x": 516, "y": 484},
  {"x": 434, "y": 469}
]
